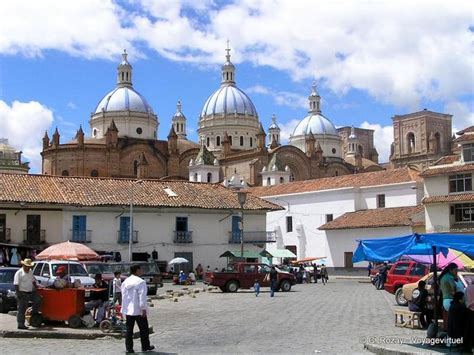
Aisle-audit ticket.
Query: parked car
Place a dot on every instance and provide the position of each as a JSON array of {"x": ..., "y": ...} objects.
[
  {"x": 7, "y": 289},
  {"x": 45, "y": 273},
  {"x": 98, "y": 267},
  {"x": 402, "y": 273},
  {"x": 151, "y": 274},
  {"x": 243, "y": 275},
  {"x": 408, "y": 288}
]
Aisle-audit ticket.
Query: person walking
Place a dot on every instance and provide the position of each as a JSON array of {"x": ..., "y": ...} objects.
[
  {"x": 134, "y": 307},
  {"x": 25, "y": 289},
  {"x": 324, "y": 274},
  {"x": 273, "y": 280},
  {"x": 117, "y": 288},
  {"x": 256, "y": 287},
  {"x": 370, "y": 266}
]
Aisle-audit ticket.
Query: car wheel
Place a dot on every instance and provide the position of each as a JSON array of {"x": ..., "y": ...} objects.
[
  {"x": 74, "y": 321},
  {"x": 285, "y": 286},
  {"x": 232, "y": 286},
  {"x": 400, "y": 298}
]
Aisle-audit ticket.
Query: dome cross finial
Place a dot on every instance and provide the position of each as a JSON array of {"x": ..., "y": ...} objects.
[{"x": 124, "y": 55}]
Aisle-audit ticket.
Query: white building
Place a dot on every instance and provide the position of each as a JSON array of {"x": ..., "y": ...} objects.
[
  {"x": 449, "y": 198},
  {"x": 176, "y": 218},
  {"x": 325, "y": 217}
]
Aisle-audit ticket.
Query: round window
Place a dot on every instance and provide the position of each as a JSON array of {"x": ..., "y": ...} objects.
[
  {"x": 95, "y": 132},
  {"x": 333, "y": 150},
  {"x": 139, "y": 130}
]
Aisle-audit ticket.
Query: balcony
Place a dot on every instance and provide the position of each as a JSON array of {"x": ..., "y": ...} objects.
[
  {"x": 183, "y": 237},
  {"x": 78, "y": 236},
  {"x": 33, "y": 237},
  {"x": 256, "y": 237},
  {"x": 123, "y": 236},
  {"x": 5, "y": 235}
]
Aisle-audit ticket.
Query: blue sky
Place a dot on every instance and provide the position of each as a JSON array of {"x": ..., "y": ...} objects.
[{"x": 371, "y": 61}]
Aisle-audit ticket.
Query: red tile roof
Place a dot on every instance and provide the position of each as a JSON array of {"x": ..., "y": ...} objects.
[
  {"x": 83, "y": 191},
  {"x": 378, "y": 218},
  {"x": 448, "y": 159},
  {"x": 469, "y": 129},
  {"x": 467, "y": 197},
  {"x": 447, "y": 169},
  {"x": 385, "y": 177}
]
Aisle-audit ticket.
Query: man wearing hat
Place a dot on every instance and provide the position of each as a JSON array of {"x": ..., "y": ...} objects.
[{"x": 25, "y": 287}]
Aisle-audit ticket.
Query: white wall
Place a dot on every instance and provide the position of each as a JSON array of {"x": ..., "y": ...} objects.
[
  {"x": 437, "y": 185},
  {"x": 155, "y": 230},
  {"x": 341, "y": 241},
  {"x": 309, "y": 213},
  {"x": 437, "y": 218}
]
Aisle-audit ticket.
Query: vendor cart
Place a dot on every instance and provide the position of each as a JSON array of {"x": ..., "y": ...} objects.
[{"x": 65, "y": 304}]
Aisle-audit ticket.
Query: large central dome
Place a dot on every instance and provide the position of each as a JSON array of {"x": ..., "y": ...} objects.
[
  {"x": 228, "y": 100},
  {"x": 123, "y": 99},
  {"x": 229, "y": 114}
]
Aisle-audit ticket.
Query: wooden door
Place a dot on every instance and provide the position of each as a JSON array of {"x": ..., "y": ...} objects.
[{"x": 348, "y": 260}]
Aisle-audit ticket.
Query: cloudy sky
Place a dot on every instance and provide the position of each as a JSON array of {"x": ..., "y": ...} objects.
[{"x": 371, "y": 59}]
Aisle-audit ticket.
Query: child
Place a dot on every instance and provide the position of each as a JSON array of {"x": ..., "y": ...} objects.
[
  {"x": 116, "y": 288},
  {"x": 256, "y": 287}
]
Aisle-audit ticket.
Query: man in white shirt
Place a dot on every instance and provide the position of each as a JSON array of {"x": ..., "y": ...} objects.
[
  {"x": 135, "y": 308},
  {"x": 25, "y": 289}
]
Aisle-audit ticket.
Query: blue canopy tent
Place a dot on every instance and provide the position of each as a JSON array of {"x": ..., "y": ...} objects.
[{"x": 390, "y": 249}]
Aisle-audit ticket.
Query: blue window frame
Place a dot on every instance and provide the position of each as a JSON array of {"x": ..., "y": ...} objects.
[
  {"x": 236, "y": 229},
  {"x": 79, "y": 230},
  {"x": 124, "y": 229}
]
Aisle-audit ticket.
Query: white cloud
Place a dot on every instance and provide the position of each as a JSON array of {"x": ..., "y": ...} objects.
[
  {"x": 281, "y": 98},
  {"x": 383, "y": 138},
  {"x": 24, "y": 124},
  {"x": 463, "y": 115},
  {"x": 398, "y": 52},
  {"x": 72, "y": 105}
]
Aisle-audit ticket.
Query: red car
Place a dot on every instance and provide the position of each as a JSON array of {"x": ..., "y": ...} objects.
[
  {"x": 401, "y": 273},
  {"x": 243, "y": 275}
]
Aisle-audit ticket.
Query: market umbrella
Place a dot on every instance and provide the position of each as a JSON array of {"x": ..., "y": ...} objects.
[
  {"x": 178, "y": 261},
  {"x": 442, "y": 260},
  {"x": 68, "y": 251}
]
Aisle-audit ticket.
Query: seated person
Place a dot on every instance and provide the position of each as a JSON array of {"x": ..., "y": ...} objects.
[
  {"x": 182, "y": 278},
  {"x": 63, "y": 280},
  {"x": 419, "y": 303},
  {"x": 192, "y": 278},
  {"x": 98, "y": 299}
]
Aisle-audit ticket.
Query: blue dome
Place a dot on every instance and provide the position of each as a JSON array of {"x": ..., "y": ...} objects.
[
  {"x": 229, "y": 99},
  {"x": 123, "y": 99},
  {"x": 315, "y": 123}
]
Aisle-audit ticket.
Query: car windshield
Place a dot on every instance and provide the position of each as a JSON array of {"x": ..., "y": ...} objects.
[
  {"x": 99, "y": 268},
  {"x": 73, "y": 269},
  {"x": 147, "y": 268},
  {"x": 6, "y": 276}
]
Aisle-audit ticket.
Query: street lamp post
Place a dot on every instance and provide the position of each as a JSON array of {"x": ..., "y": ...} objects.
[
  {"x": 242, "y": 198},
  {"x": 130, "y": 235}
]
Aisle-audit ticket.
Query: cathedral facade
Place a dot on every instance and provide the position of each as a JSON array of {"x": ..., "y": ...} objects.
[{"x": 232, "y": 141}]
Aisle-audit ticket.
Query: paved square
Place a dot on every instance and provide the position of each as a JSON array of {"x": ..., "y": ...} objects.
[{"x": 310, "y": 319}]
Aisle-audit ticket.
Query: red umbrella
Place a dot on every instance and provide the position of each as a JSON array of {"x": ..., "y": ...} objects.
[{"x": 68, "y": 251}]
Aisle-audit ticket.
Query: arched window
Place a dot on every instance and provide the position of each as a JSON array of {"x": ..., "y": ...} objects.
[
  {"x": 218, "y": 141},
  {"x": 241, "y": 141},
  {"x": 292, "y": 178},
  {"x": 135, "y": 167},
  {"x": 65, "y": 173},
  {"x": 122, "y": 76},
  {"x": 209, "y": 177},
  {"x": 269, "y": 181},
  {"x": 361, "y": 151},
  {"x": 437, "y": 147},
  {"x": 127, "y": 76},
  {"x": 251, "y": 141},
  {"x": 230, "y": 140},
  {"x": 208, "y": 141},
  {"x": 336, "y": 173},
  {"x": 410, "y": 142},
  {"x": 282, "y": 179},
  {"x": 94, "y": 173},
  {"x": 195, "y": 177}
]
